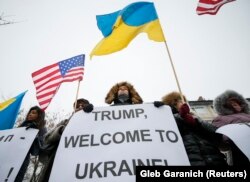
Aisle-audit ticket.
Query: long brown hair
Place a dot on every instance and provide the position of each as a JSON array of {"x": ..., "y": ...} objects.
[{"x": 40, "y": 119}]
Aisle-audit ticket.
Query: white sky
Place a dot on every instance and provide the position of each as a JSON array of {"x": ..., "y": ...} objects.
[{"x": 210, "y": 53}]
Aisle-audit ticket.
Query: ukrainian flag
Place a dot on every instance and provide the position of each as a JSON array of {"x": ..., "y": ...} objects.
[
  {"x": 121, "y": 27},
  {"x": 9, "y": 111}
]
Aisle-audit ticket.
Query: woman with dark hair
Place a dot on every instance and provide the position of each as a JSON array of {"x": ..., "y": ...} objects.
[
  {"x": 231, "y": 108},
  {"x": 34, "y": 119}
]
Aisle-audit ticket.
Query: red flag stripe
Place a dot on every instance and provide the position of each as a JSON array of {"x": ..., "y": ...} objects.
[
  {"x": 50, "y": 75},
  {"x": 44, "y": 71},
  {"x": 210, "y": 6},
  {"x": 59, "y": 79},
  {"x": 48, "y": 79},
  {"x": 44, "y": 97}
]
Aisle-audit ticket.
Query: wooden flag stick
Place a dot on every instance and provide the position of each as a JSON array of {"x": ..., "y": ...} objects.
[
  {"x": 77, "y": 92},
  {"x": 172, "y": 64},
  {"x": 175, "y": 75}
]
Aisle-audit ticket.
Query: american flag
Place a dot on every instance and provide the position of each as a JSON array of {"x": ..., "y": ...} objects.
[
  {"x": 210, "y": 6},
  {"x": 48, "y": 79}
]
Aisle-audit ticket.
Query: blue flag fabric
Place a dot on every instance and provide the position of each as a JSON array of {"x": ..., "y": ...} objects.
[
  {"x": 121, "y": 27},
  {"x": 9, "y": 111}
]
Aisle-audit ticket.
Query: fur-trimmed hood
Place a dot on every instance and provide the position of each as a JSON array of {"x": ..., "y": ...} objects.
[
  {"x": 220, "y": 101},
  {"x": 112, "y": 94},
  {"x": 172, "y": 98}
]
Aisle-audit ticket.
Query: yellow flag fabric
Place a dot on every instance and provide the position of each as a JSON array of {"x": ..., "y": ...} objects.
[
  {"x": 121, "y": 27},
  {"x": 9, "y": 111}
]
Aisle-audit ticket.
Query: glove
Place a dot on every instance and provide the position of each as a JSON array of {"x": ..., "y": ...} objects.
[
  {"x": 158, "y": 104},
  {"x": 88, "y": 108},
  {"x": 189, "y": 119},
  {"x": 184, "y": 112},
  {"x": 61, "y": 129},
  {"x": 31, "y": 125}
]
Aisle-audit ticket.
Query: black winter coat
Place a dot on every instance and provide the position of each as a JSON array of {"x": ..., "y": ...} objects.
[
  {"x": 200, "y": 142},
  {"x": 34, "y": 149},
  {"x": 39, "y": 140}
]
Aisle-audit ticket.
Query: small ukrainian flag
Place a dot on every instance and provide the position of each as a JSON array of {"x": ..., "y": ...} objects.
[{"x": 9, "y": 111}]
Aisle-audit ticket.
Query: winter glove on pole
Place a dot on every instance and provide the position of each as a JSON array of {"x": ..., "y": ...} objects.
[
  {"x": 158, "y": 104},
  {"x": 88, "y": 108},
  {"x": 184, "y": 112}
]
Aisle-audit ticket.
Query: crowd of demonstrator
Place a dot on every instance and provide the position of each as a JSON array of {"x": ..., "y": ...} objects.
[{"x": 203, "y": 145}]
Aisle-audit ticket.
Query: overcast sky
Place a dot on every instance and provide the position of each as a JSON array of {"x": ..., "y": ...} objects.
[{"x": 210, "y": 53}]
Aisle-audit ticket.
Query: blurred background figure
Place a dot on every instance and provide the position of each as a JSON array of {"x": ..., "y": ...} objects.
[{"x": 231, "y": 108}]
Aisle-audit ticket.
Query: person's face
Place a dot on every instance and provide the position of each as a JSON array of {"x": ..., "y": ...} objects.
[
  {"x": 236, "y": 106},
  {"x": 79, "y": 106},
  {"x": 123, "y": 90},
  {"x": 33, "y": 115}
]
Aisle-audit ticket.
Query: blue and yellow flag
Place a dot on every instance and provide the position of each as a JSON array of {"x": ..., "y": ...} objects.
[
  {"x": 121, "y": 27},
  {"x": 9, "y": 111}
]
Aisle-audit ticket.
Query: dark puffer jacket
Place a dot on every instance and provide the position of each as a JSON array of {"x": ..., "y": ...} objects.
[
  {"x": 39, "y": 140},
  {"x": 200, "y": 142},
  {"x": 199, "y": 137},
  {"x": 52, "y": 139},
  {"x": 34, "y": 149}
]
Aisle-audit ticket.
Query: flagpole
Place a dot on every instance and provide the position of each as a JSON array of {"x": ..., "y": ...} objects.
[
  {"x": 175, "y": 75},
  {"x": 77, "y": 92},
  {"x": 172, "y": 65}
]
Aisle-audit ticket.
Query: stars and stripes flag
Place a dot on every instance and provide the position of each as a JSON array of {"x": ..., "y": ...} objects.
[
  {"x": 48, "y": 79},
  {"x": 210, "y": 6}
]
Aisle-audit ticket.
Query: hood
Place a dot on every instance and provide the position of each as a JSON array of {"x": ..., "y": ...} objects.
[
  {"x": 220, "y": 102},
  {"x": 112, "y": 94}
]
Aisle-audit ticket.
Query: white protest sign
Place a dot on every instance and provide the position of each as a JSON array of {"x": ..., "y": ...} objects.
[
  {"x": 239, "y": 133},
  {"x": 108, "y": 143},
  {"x": 14, "y": 146}
]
